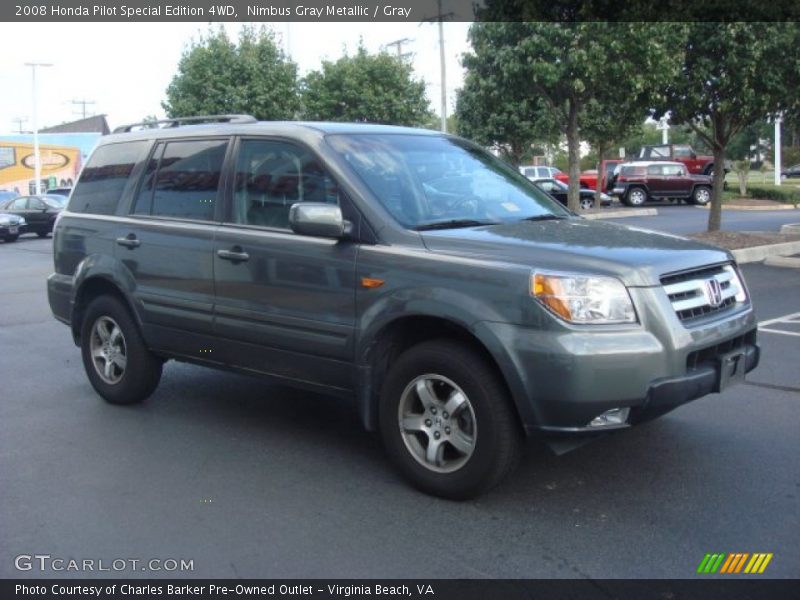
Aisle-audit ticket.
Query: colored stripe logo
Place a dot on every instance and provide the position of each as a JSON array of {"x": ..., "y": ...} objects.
[{"x": 734, "y": 562}]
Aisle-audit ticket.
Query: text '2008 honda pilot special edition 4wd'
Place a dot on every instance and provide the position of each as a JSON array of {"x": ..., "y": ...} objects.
[{"x": 461, "y": 308}]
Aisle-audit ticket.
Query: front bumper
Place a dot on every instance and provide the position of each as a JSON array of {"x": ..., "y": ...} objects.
[
  {"x": 667, "y": 394},
  {"x": 563, "y": 378}
]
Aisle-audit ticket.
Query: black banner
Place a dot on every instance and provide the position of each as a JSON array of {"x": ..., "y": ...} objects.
[
  {"x": 395, "y": 10},
  {"x": 173, "y": 589}
]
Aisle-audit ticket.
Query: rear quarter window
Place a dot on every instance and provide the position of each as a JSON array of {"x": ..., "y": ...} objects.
[{"x": 105, "y": 176}]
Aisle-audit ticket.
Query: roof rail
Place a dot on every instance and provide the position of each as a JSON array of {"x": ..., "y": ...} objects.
[{"x": 180, "y": 121}]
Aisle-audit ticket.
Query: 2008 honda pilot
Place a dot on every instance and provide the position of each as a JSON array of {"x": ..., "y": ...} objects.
[{"x": 461, "y": 307}]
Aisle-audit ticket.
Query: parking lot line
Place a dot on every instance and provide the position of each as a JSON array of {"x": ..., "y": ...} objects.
[
  {"x": 789, "y": 317},
  {"x": 780, "y": 331},
  {"x": 792, "y": 318}
]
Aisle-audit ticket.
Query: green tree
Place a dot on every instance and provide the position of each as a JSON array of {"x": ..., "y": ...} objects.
[
  {"x": 733, "y": 75},
  {"x": 488, "y": 116},
  {"x": 577, "y": 71},
  {"x": 373, "y": 88},
  {"x": 217, "y": 76}
]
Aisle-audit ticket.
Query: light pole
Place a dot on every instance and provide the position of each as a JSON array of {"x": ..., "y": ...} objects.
[
  {"x": 442, "y": 62},
  {"x": 778, "y": 121},
  {"x": 663, "y": 125},
  {"x": 37, "y": 164}
]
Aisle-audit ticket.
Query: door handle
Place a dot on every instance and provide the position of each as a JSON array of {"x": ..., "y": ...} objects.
[
  {"x": 129, "y": 241},
  {"x": 236, "y": 254}
]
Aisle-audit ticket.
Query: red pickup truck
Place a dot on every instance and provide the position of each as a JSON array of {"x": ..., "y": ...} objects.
[
  {"x": 697, "y": 164},
  {"x": 588, "y": 179}
]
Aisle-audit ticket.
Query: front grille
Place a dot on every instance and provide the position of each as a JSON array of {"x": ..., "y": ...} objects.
[{"x": 692, "y": 293}]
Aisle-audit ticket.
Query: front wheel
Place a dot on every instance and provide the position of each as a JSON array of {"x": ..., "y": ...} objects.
[
  {"x": 447, "y": 422},
  {"x": 636, "y": 197},
  {"x": 587, "y": 203},
  {"x": 11, "y": 238},
  {"x": 119, "y": 366},
  {"x": 701, "y": 195}
]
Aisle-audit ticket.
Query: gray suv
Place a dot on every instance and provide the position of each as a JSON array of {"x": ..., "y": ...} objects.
[{"x": 460, "y": 307}]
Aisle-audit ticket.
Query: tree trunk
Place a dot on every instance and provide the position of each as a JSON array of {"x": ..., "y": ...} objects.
[
  {"x": 715, "y": 213},
  {"x": 599, "y": 187},
  {"x": 573, "y": 147},
  {"x": 517, "y": 152}
]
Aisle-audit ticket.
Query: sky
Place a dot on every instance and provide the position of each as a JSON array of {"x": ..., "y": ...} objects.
[{"x": 124, "y": 68}]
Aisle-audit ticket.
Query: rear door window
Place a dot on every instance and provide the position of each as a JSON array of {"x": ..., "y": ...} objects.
[
  {"x": 655, "y": 170},
  {"x": 181, "y": 180}
]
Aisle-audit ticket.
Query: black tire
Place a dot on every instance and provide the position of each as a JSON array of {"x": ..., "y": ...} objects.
[
  {"x": 636, "y": 196},
  {"x": 142, "y": 371},
  {"x": 586, "y": 203},
  {"x": 42, "y": 234},
  {"x": 701, "y": 195},
  {"x": 486, "y": 414},
  {"x": 11, "y": 238}
]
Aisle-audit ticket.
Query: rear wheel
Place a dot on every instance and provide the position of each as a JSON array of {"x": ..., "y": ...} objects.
[
  {"x": 586, "y": 203},
  {"x": 42, "y": 234},
  {"x": 447, "y": 422},
  {"x": 636, "y": 197},
  {"x": 119, "y": 366},
  {"x": 701, "y": 195}
]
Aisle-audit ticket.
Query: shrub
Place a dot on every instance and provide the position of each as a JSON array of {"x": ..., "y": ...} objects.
[{"x": 786, "y": 195}]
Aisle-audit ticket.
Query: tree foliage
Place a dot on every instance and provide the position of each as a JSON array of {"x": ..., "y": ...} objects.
[
  {"x": 732, "y": 76},
  {"x": 373, "y": 88},
  {"x": 593, "y": 75},
  {"x": 486, "y": 116},
  {"x": 217, "y": 76}
]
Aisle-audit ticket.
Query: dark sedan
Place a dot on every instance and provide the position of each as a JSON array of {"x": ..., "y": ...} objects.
[
  {"x": 789, "y": 172},
  {"x": 39, "y": 212},
  {"x": 10, "y": 226},
  {"x": 558, "y": 190}
]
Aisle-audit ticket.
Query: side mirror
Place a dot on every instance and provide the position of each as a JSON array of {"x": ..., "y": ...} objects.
[{"x": 318, "y": 219}]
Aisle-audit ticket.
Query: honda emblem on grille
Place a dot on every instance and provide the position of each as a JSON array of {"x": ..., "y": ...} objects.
[{"x": 713, "y": 293}]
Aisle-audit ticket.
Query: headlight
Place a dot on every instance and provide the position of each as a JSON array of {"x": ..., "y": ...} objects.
[
  {"x": 22, "y": 221},
  {"x": 584, "y": 299},
  {"x": 5, "y": 221}
]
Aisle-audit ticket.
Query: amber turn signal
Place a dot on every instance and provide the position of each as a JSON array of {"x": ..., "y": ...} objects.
[{"x": 371, "y": 282}]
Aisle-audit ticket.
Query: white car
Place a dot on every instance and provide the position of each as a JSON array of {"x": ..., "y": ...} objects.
[{"x": 536, "y": 172}]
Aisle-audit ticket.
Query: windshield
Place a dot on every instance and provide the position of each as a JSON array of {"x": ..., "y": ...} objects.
[
  {"x": 430, "y": 181},
  {"x": 55, "y": 201}
]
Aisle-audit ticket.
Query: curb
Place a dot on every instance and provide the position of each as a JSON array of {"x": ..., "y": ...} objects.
[
  {"x": 782, "y": 261},
  {"x": 622, "y": 213},
  {"x": 759, "y": 253},
  {"x": 753, "y": 208},
  {"x": 791, "y": 228}
]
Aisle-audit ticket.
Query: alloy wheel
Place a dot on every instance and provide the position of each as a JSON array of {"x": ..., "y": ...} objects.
[{"x": 437, "y": 423}]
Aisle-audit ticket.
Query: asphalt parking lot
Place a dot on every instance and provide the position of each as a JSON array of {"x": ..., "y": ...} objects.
[{"x": 249, "y": 479}]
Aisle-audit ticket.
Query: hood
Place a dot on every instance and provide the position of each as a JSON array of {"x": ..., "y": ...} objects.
[
  {"x": 11, "y": 218},
  {"x": 638, "y": 257}
]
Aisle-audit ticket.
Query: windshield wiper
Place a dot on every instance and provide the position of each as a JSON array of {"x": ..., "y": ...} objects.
[
  {"x": 452, "y": 224},
  {"x": 545, "y": 218}
]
